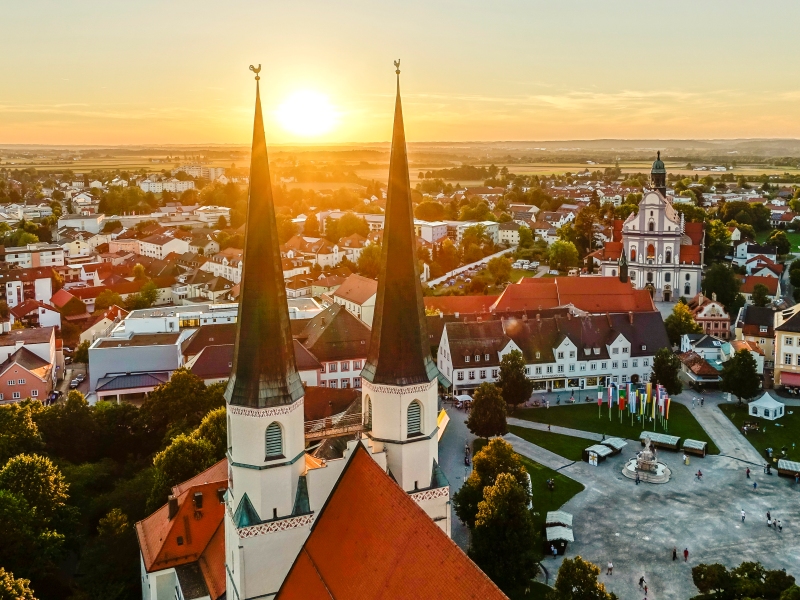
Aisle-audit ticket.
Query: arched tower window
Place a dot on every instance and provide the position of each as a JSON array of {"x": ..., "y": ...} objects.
[
  {"x": 368, "y": 416},
  {"x": 651, "y": 251},
  {"x": 668, "y": 256},
  {"x": 651, "y": 226},
  {"x": 274, "y": 441},
  {"x": 414, "y": 419},
  {"x": 633, "y": 253},
  {"x": 230, "y": 442}
]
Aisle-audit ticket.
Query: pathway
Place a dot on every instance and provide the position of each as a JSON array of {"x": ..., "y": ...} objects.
[
  {"x": 451, "y": 460},
  {"x": 588, "y": 435},
  {"x": 537, "y": 454}
]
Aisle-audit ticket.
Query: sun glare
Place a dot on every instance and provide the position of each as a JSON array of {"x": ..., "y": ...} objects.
[{"x": 307, "y": 114}]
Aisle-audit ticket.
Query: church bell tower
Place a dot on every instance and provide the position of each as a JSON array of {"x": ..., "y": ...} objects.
[
  {"x": 658, "y": 176},
  {"x": 400, "y": 389}
]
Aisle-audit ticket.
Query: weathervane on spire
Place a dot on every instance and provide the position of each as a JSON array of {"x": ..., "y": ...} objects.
[
  {"x": 397, "y": 66},
  {"x": 256, "y": 70}
]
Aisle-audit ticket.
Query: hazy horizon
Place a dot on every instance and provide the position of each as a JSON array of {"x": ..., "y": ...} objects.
[{"x": 149, "y": 73}]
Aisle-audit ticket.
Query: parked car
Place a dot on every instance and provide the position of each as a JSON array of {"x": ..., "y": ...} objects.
[
  {"x": 535, "y": 263},
  {"x": 80, "y": 377},
  {"x": 553, "y": 272},
  {"x": 74, "y": 384}
]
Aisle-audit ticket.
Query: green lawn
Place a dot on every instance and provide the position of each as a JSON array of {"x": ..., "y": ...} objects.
[
  {"x": 517, "y": 274},
  {"x": 538, "y": 591},
  {"x": 584, "y": 417},
  {"x": 794, "y": 238},
  {"x": 564, "y": 445},
  {"x": 783, "y": 432}
]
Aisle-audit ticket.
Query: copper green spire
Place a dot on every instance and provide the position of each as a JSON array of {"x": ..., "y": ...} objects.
[
  {"x": 399, "y": 351},
  {"x": 264, "y": 371}
]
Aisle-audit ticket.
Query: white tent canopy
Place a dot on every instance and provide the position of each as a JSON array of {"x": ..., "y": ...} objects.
[{"x": 766, "y": 407}]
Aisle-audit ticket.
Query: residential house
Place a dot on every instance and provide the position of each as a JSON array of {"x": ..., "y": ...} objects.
[
  {"x": 25, "y": 375},
  {"x": 160, "y": 245},
  {"x": 326, "y": 285},
  {"x": 101, "y": 325},
  {"x": 749, "y": 283},
  {"x": 352, "y": 246},
  {"x": 430, "y": 231},
  {"x": 85, "y": 222},
  {"x": 18, "y": 285},
  {"x": 744, "y": 251},
  {"x": 32, "y": 313},
  {"x": 755, "y": 324},
  {"x": 40, "y": 254},
  {"x": 39, "y": 340},
  {"x": 509, "y": 233},
  {"x": 787, "y": 348},
  {"x": 226, "y": 263},
  {"x": 711, "y": 315},
  {"x": 357, "y": 294},
  {"x": 299, "y": 286}
]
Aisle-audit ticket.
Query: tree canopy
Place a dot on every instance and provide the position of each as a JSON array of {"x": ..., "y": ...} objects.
[
  {"x": 577, "y": 580},
  {"x": 680, "y": 322},
  {"x": 562, "y": 255},
  {"x": 513, "y": 382},
  {"x": 740, "y": 376},
  {"x": 722, "y": 281},
  {"x": 666, "y": 366},
  {"x": 487, "y": 417}
]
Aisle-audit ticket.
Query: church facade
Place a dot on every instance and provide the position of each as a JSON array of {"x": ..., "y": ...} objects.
[{"x": 656, "y": 249}]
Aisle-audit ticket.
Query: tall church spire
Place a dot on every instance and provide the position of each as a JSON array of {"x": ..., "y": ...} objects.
[
  {"x": 399, "y": 351},
  {"x": 264, "y": 371}
]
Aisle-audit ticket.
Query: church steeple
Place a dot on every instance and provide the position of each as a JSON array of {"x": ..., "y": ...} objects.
[
  {"x": 399, "y": 352},
  {"x": 658, "y": 175},
  {"x": 264, "y": 373}
]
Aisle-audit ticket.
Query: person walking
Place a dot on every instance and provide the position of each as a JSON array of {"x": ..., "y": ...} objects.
[
  {"x": 768, "y": 516},
  {"x": 548, "y": 427},
  {"x": 748, "y": 472},
  {"x": 755, "y": 485},
  {"x": 610, "y": 569},
  {"x": 637, "y": 477},
  {"x": 702, "y": 400},
  {"x": 554, "y": 551},
  {"x": 693, "y": 400},
  {"x": 641, "y": 581},
  {"x": 685, "y": 555},
  {"x": 743, "y": 515},
  {"x": 780, "y": 527},
  {"x": 674, "y": 553}
]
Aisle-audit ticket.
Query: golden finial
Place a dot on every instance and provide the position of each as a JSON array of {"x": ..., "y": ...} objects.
[
  {"x": 256, "y": 70},
  {"x": 397, "y": 66}
]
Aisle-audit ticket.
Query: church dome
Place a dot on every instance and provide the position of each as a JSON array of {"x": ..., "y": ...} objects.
[{"x": 658, "y": 165}]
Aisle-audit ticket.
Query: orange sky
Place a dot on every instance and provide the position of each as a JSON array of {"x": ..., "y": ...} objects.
[{"x": 94, "y": 72}]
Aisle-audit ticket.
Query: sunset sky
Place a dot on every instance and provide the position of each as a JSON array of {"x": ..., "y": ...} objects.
[{"x": 162, "y": 72}]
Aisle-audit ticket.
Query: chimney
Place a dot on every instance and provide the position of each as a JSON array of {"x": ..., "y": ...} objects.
[
  {"x": 538, "y": 317},
  {"x": 173, "y": 507},
  {"x": 714, "y": 296},
  {"x": 456, "y": 315},
  {"x": 630, "y": 316},
  {"x": 700, "y": 298}
]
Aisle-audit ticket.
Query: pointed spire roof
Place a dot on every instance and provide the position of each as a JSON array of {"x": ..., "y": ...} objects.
[
  {"x": 264, "y": 371},
  {"x": 399, "y": 351}
]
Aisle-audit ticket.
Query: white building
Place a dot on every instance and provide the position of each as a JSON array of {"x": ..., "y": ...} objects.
[
  {"x": 357, "y": 294},
  {"x": 430, "y": 231},
  {"x": 211, "y": 214},
  {"x": 160, "y": 245},
  {"x": 91, "y": 223},
  {"x": 151, "y": 186},
  {"x": 40, "y": 254}
]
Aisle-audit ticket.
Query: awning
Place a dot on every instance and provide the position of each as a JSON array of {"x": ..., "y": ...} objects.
[
  {"x": 559, "y": 533},
  {"x": 788, "y": 378}
]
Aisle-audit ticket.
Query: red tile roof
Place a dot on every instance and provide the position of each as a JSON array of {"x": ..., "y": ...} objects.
[
  {"x": 751, "y": 281},
  {"x": 30, "y": 305},
  {"x": 321, "y": 402},
  {"x": 450, "y": 305},
  {"x": 593, "y": 295},
  {"x": 690, "y": 254},
  {"x": 60, "y": 298},
  {"x": 357, "y": 289},
  {"x": 371, "y": 540},
  {"x": 695, "y": 232}
]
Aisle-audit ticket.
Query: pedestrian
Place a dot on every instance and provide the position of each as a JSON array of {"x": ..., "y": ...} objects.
[
  {"x": 610, "y": 569},
  {"x": 685, "y": 554},
  {"x": 548, "y": 427},
  {"x": 702, "y": 400},
  {"x": 769, "y": 523},
  {"x": 693, "y": 399},
  {"x": 755, "y": 485},
  {"x": 797, "y": 477},
  {"x": 743, "y": 515},
  {"x": 768, "y": 516},
  {"x": 780, "y": 527},
  {"x": 748, "y": 472},
  {"x": 553, "y": 550},
  {"x": 641, "y": 581},
  {"x": 645, "y": 591},
  {"x": 637, "y": 477},
  {"x": 675, "y": 553}
]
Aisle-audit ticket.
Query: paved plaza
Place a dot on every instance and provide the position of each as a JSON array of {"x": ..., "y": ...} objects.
[{"x": 636, "y": 527}]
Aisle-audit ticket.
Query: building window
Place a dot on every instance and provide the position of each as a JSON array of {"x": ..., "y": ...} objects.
[
  {"x": 483, "y": 374},
  {"x": 633, "y": 254},
  {"x": 34, "y": 393},
  {"x": 2, "y": 396},
  {"x": 356, "y": 365},
  {"x": 667, "y": 277},
  {"x": 11, "y": 382},
  {"x": 472, "y": 374},
  {"x": 274, "y": 441},
  {"x": 604, "y": 365},
  {"x": 414, "y": 419},
  {"x": 687, "y": 290},
  {"x": 345, "y": 365},
  {"x": 357, "y": 382},
  {"x": 538, "y": 355},
  {"x": 572, "y": 368},
  {"x": 21, "y": 381},
  {"x": 624, "y": 349},
  {"x": 583, "y": 366},
  {"x": 651, "y": 226},
  {"x": 572, "y": 353},
  {"x": 345, "y": 383},
  {"x": 624, "y": 364},
  {"x": 494, "y": 372},
  {"x": 333, "y": 383},
  {"x": 635, "y": 363},
  {"x": 615, "y": 351},
  {"x": 593, "y": 366},
  {"x": 560, "y": 355},
  {"x": 460, "y": 376},
  {"x": 560, "y": 368},
  {"x": 787, "y": 360},
  {"x": 549, "y": 369},
  {"x": 614, "y": 364},
  {"x": 624, "y": 378},
  {"x": 649, "y": 277},
  {"x": 646, "y": 362},
  {"x": 789, "y": 341},
  {"x": 687, "y": 277},
  {"x": 538, "y": 370},
  {"x": 485, "y": 357},
  {"x": 332, "y": 368},
  {"x": 466, "y": 359}
]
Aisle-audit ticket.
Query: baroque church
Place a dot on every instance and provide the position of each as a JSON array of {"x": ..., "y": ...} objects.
[
  {"x": 362, "y": 515},
  {"x": 656, "y": 249}
]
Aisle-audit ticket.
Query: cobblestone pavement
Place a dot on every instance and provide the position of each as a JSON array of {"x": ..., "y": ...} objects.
[{"x": 451, "y": 460}]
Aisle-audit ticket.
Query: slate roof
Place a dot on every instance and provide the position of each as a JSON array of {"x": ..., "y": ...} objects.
[
  {"x": 264, "y": 370},
  {"x": 371, "y": 540},
  {"x": 333, "y": 334},
  {"x": 399, "y": 352}
]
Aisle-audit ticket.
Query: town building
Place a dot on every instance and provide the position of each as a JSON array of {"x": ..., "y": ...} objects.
[
  {"x": 358, "y": 294},
  {"x": 787, "y": 348},
  {"x": 18, "y": 285},
  {"x": 508, "y": 233},
  {"x": 565, "y": 351},
  {"x": 656, "y": 248},
  {"x": 32, "y": 313},
  {"x": 85, "y": 222},
  {"x": 25, "y": 375},
  {"x": 31, "y": 256},
  {"x": 745, "y": 251},
  {"x": 711, "y": 316},
  {"x": 430, "y": 231},
  {"x": 755, "y": 324}
]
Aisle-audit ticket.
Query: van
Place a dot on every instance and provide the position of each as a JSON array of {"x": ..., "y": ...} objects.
[{"x": 553, "y": 272}]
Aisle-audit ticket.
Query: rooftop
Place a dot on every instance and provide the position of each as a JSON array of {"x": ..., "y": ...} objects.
[
  {"x": 139, "y": 339},
  {"x": 36, "y": 335}
]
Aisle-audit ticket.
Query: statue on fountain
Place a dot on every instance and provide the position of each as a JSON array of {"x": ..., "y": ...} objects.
[
  {"x": 645, "y": 466},
  {"x": 646, "y": 459}
]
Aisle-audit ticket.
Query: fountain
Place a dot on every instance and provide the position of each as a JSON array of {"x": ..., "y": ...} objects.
[{"x": 646, "y": 465}]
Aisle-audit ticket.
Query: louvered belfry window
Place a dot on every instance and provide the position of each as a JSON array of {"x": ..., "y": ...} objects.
[
  {"x": 369, "y": 412},
  {"x": 274, "y": 441},
  {"x": 414, "y": 418}
]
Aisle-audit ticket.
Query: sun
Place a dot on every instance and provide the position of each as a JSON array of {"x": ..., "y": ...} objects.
[{"x": 307, "y": 113}]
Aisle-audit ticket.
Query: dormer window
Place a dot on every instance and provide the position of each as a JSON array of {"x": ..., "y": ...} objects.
[
  {"x": 485, "y": 357},
  {"x": 477, "y": 358},
  {"x": 596, "y": 351},
  {"x": 644, "y": 346},
  {"x": 538, "y": 355},
  {"x": 762, "y": 329},
  {"x": 466, "y": 359}
]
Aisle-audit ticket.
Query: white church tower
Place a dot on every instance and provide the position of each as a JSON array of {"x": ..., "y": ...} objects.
[
  {"x": 399, "y": 380},
  {"x": 267, "y": 509}
]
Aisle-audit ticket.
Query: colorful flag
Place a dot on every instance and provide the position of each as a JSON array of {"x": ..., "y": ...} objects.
[
  {"x": 599, "y": 397},
  {"x": 611, "y": 395}
]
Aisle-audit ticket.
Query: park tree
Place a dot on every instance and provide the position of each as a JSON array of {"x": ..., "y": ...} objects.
[
  {"x": 106, "y": 565},
  {"x": 713, "y": 579},
  {"x": 429, "y": 211},
  {"x": 369, "y": 261},
  {"x": 38, "y": 481},
  {"x": 185, "y": 457},
  {"x": 666, "y": 366},
  {"x": 718, "y": 241},
  {"x": 351, "y": 223},
  {"x": 740, "y": 376},
  {"x": 505, "y": 543},
  {"x": 68, "y": 428},
  {"x": 525, "y": 237},
  {"x": 311, "y": 226},
  {"x": 487, "y": 417},
  {"x": 12, "y": 588},
  {"x": 780, "y": 240},
  {"x": 760, "y": 295},
  {"x": 791, "y": 593},
  {"x": 513, "y": 382},
  {"x": 500, "y": 268},
  {"x": 139, "y": 271},
  {"x": 680, "y": 322},
  {"x": 106, "y": 299},
  {"x": 562, "y": 255},
  {"x": 577, "y": 580},
  {"x": 213, "y": 428},
  {"x": 82, "y": 352},
  {"x": 494, "y": 458},
  {"x": 722, "y": 281},
  {"x": 18, "y": 432}
]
